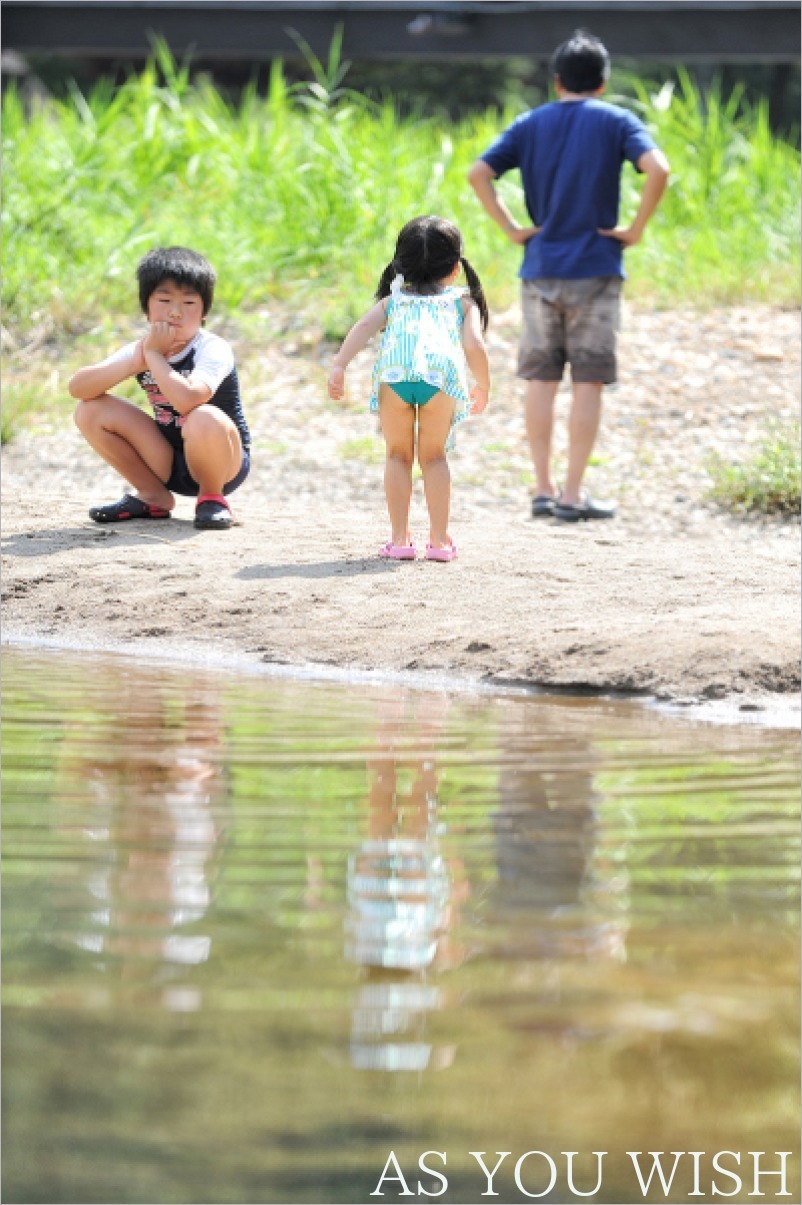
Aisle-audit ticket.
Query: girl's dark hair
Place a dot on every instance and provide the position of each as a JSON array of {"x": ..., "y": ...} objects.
[
  {"x": 582, "y": 63},
  {"x": 428, "y": 250},
  {"x": 178, "y": 264}
]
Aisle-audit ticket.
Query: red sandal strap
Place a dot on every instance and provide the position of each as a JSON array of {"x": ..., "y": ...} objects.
[{"x": 212, "y": 498}]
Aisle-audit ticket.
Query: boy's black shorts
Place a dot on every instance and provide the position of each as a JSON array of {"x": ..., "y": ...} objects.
[
  {"x": 181, "y": 481},
  {"x": 570, "y": 321}
]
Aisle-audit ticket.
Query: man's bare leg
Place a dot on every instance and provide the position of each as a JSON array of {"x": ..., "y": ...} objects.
[
  {"x": 583, "y": 427},
  {"x": 539, "y": 410}
]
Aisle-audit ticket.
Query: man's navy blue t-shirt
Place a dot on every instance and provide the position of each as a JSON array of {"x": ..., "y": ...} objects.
[{"x": 570, "y": 155}]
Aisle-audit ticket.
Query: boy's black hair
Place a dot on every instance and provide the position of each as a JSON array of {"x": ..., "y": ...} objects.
[
  {"x": 181, "y": 265},
  {"x": 428, "y": 249},
  {"x": 582, "y": 63}
]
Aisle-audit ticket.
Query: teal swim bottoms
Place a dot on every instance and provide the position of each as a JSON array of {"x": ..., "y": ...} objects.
[{"x": 414, "y": 393}]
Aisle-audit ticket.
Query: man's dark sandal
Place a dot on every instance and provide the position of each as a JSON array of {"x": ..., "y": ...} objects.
[
  {"x": 543, "y": 506},
  {"x": 587, "y": 509},
  {"x": 128, "y": 507},
  {"x": 212, "y": 513}
]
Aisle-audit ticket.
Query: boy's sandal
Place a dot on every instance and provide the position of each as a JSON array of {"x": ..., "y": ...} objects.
[
  {"x": 441, "y": 554},
  {"x": 212, "y": 513},
  {"x": 128, "y": 507},
  {"x": 398, "y": 552}
]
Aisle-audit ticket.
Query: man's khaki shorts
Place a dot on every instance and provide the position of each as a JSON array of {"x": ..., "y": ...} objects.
[{"x": 570, "y": 321}]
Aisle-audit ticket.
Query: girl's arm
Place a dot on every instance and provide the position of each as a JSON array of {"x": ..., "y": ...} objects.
[
  {"x": 476, "y": 354},
  {"x": 357, "y": 338},
  {"x": 181, "y": 392},
  {"x": 96, "y": 379}
]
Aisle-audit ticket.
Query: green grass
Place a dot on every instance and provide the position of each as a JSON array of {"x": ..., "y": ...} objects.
[
  {"x": 22, "y": 405},
  {"x": 727, "y": 229},
  {"x": 296, "y": 197},
  {"x": 768, "y": 483},
  {"x": 365, "y": 448},
  {"x": 299, "y": 194}
]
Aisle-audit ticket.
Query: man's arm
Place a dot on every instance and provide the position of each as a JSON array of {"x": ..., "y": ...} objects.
[
  {"x": 655, "y": 167},
  {"x": 482, "y": 178}
]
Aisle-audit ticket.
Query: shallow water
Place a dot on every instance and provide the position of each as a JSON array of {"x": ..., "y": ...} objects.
[{"x": 260, "y": 933}]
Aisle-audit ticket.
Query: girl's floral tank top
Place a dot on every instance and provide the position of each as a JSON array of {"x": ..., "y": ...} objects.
[{"x": 422, "y": 341}]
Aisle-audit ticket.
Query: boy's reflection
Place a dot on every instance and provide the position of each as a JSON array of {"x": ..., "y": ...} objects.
[
  {"x": 402, "y": 894},
  {"x": 151, "y": 786}
]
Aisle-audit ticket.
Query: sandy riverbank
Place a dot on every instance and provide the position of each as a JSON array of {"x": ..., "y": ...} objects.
[{"x": 670, "y": 599}]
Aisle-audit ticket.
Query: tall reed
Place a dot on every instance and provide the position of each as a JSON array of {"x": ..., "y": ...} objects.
[{"x": 298, "y": 194}]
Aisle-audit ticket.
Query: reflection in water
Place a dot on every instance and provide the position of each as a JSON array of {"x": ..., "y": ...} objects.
[
  {"x": 549, "y": 864},
  {"x": 402, "y": 896},
  {"x": 150, "y": 831},
  {"x": 225, "y": 899}
]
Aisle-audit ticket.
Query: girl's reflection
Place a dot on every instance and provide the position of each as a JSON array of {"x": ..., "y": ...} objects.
[
  {"x": 403, "y": 894},
  {"x": 150, "y": 780}
]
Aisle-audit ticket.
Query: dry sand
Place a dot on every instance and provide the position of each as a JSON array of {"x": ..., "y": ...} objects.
[{"x": 670, "y": 599}]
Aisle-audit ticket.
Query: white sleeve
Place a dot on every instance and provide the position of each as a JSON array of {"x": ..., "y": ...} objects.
[
  {"x": 122, "y": 354},
  {"x": 213, "y": 363}
]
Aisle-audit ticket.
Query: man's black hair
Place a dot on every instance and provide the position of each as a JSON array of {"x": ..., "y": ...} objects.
[
  {"x": 582, "y": 63},
  {"x": 180, "y": 265}
]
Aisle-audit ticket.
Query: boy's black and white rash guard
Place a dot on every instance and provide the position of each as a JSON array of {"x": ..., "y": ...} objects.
[{"x": 209, "y": 359}]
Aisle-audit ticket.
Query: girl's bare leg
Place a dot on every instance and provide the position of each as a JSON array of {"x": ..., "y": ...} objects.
[
  {"x": 131, "y": 442},
  {"x": 398, "y": 428},
  {"x": 434, "y": 424},
  {"x": 212, "y": 447}
]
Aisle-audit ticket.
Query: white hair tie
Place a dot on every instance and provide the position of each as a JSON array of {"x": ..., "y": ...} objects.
[{"x": 397, "y": 285}]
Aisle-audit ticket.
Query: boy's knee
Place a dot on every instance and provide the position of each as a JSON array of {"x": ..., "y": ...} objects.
[
  {"x": 91, "y": 413},
  {"x": 83, "y": 416},
  {"x": 203, "y": 422}
]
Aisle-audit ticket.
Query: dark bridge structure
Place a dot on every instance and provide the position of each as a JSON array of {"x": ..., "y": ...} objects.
[{"x": 225, "y": 31}]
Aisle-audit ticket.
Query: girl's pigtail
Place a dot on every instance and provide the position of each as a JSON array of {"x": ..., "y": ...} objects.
[
  {"x": 387, "y": 277},
  {"x": 476, "y": 290}
]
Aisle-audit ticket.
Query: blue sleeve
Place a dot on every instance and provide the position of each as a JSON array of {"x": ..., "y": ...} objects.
[
  {"x": 503, "y": 154},
  {"x": 636, "y": 138}
]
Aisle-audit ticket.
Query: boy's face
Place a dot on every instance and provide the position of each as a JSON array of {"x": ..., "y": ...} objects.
[{"x": 179, "y": 306}]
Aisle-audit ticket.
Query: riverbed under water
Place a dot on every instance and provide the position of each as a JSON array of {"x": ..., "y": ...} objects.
[{"x": 259, "y": 933}]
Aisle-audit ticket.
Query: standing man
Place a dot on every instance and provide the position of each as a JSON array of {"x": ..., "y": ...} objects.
[{"x": 570, "y": 154}]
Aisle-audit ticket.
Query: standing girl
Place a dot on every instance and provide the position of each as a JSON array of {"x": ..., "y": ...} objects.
[{"x": 431, "y": 329}]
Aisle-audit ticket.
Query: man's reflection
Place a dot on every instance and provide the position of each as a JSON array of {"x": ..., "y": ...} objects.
[
  {"x": 402, "y": 893},
  {"x": 558, "y": 894}
]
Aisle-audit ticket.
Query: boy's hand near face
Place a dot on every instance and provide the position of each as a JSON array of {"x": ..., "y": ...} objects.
[
  {"x": 182, "y": 392},
  {"x": 161, "y": 338}
]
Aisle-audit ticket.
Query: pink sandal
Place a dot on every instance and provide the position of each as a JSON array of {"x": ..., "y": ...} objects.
[
  {"x": 441, "y": 554},
  {"x": 398, "y": 552}
]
